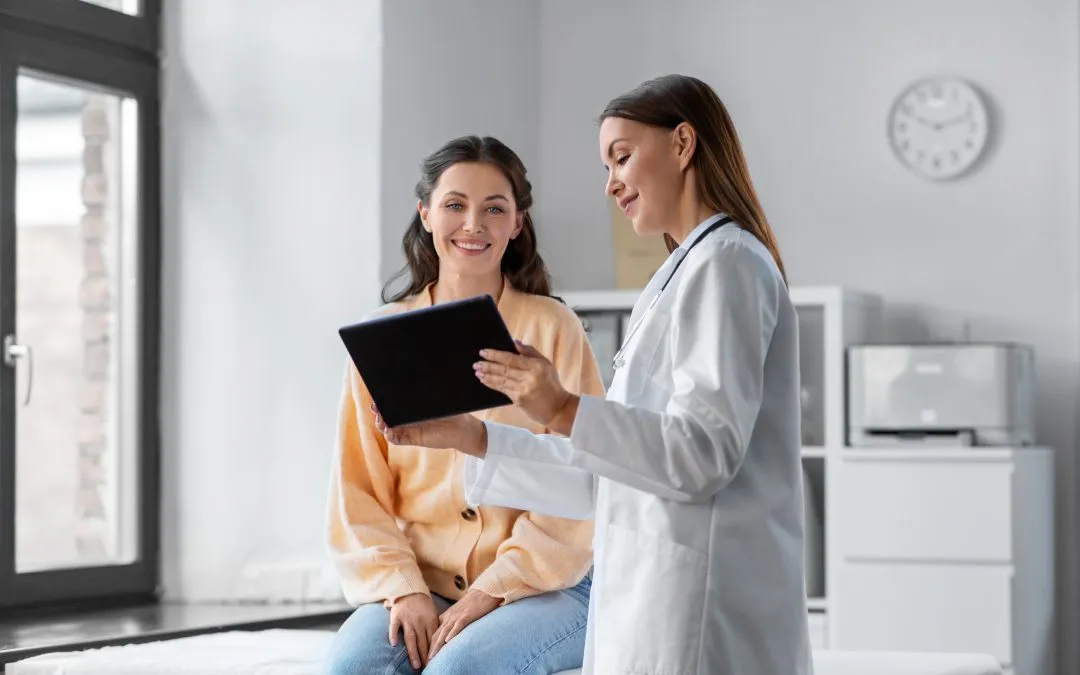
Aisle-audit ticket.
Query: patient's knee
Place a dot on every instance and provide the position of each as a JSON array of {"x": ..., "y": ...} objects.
[{"x": 453, "y": 662}]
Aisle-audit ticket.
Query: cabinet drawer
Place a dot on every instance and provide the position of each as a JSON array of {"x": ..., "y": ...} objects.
[
  {"x": 924, "y": 607},
  {"x": 919, "y": 509}
]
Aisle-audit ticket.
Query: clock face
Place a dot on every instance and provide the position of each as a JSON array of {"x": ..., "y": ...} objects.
[{"x": 938, "y": 128}]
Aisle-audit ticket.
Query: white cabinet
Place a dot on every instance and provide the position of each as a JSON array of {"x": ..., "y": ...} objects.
[{"x": 946, "y": 549}]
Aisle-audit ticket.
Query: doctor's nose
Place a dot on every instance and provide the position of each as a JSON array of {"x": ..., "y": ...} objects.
[{"x": 613, "y": 185}]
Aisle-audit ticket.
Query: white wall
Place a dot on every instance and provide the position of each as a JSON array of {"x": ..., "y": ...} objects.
[
  {"x": 451, "y": 69},
  {"x": 293, "y": 144},
  {"x": 809, "y": 86},
  {"x": 271, "y": 183}
]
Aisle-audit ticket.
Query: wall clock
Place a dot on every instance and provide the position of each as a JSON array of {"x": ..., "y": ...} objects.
[{"x": 939, "y": 127}]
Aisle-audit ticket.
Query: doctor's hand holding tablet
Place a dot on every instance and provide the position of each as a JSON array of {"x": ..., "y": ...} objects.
[{"x": 690, "y": 466}]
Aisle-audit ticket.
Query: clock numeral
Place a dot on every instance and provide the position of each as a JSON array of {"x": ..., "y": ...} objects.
[{"x": 955, "y": 157}]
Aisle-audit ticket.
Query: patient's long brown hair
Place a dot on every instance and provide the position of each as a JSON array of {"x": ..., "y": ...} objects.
[
  {"x": 723, "y": 179},
  {"x": 521, "y": 263}
]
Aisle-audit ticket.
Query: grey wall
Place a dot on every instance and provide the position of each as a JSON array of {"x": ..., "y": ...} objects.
[
  {"x": 809, "y": 86},
  {"x": 271, "y": 175},
  {"x": 450, "y": 69}
]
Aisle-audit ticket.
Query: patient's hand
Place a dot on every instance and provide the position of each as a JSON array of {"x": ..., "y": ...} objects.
[
  {"x": 417, "y": 618},
  {"x": 461, "y": 432},
  {"x": 472, "y": 607}
]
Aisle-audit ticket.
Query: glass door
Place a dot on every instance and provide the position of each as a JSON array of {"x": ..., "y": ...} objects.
[{"x": 78, "y": 318}]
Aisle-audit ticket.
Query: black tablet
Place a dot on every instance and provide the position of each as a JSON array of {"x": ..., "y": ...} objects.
[{"x": 418, "y": 365}]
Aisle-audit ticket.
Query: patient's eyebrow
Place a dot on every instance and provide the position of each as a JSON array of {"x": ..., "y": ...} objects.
[{"x": 462, "y": 195}]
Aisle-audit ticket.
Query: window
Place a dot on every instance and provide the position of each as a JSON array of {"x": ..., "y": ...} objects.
[{"x": 79, "y": 289}]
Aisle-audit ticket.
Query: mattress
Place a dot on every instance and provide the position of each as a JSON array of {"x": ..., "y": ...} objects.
[{"x": 301, "y": 652}]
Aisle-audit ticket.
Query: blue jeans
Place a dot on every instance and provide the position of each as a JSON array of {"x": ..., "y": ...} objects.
[{"x": 539, "y": 635}]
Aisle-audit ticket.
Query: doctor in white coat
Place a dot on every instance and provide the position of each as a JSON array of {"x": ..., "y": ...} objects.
[{"x": 691, "y": 465}]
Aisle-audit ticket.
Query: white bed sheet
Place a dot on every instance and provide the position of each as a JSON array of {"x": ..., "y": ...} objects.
[{"x": 301, "y": 652}]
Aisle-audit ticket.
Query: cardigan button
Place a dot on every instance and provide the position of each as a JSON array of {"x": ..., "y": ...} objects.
[
  {"x": 468, "y": 514},
  {"x": 459, "y": 581}
]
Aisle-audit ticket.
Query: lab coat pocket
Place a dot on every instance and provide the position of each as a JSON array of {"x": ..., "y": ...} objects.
[{"x": 652, "y": 594}]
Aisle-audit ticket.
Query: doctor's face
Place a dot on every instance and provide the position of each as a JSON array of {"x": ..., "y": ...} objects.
[
  {"x": 644, "y": 175},
  {"x": 472, "y": 217}
]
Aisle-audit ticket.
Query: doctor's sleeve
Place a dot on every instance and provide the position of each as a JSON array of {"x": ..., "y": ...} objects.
[
  {"x": 531, "y": 472},
  {"x": 373, "y": 559},
  {"x": 726, "y": 310}
]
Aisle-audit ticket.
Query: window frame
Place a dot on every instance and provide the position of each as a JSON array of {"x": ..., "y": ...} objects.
[{"x": 98, "y": 46}]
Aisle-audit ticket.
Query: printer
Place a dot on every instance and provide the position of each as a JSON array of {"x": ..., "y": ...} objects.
[{"x": 943, "y": 394}]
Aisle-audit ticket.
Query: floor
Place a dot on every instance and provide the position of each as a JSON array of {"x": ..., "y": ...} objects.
[{"x": 22, "y": 637}]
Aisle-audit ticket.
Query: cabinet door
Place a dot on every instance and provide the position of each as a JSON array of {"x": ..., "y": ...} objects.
[
  {"x": 911, "y": 509},
  {"x": 925, "y": 607}
]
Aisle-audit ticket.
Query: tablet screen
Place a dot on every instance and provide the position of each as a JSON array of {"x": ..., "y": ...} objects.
[{"x": 418, "y": 365}]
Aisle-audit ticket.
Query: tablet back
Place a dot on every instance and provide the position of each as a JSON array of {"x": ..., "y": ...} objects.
[{"x": 418, "y": 365}]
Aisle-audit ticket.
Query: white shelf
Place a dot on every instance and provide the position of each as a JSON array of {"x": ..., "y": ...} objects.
[
  {"x": 817, "y": 604},
  {"x": 814, "y": 452},
  {"x": 600, "y": 301}
]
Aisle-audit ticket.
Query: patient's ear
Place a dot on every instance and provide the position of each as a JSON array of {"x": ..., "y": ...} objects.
[
  {"x": 518, "y": 224},
  {"x": 423, "y": 211}
]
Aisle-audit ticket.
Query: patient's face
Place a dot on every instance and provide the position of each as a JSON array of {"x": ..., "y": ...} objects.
[{"x": 472, "y": 217}]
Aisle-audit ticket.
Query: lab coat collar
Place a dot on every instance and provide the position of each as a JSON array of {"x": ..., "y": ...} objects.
[{"x": 696, "y": 233}]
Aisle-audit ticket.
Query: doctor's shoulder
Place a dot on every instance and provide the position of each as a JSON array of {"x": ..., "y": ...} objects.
[{"x": 738, "y": 263}]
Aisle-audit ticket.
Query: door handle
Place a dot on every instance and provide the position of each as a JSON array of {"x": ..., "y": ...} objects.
[{"x": 12, "y": 353}]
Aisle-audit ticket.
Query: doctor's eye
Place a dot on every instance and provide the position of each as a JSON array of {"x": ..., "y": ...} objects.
[{"x": 622, "y": 160}]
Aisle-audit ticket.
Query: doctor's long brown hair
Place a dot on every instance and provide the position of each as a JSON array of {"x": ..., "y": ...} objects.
[{"x": 723, "y": 179}]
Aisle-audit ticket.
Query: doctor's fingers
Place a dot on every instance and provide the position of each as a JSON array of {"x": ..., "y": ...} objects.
[
  {"x": 517, "y": 361},
  {"x": 502, "y": 384},
  {"x": 510, "y": 372},
  {"x": 399, "y": 436}
]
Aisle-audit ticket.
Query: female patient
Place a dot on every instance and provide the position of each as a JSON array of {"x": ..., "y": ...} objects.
[{"x": 455, "y": 589}]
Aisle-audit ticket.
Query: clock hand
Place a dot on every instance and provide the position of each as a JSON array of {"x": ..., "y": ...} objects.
[{"x": 951, "y": 122}]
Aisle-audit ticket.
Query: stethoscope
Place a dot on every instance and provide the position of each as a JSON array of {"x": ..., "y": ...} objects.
[{"x": 619, "y": 361}]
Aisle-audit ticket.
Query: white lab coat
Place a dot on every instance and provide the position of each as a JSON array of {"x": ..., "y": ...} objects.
[{"x": 691, "y": 468}]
